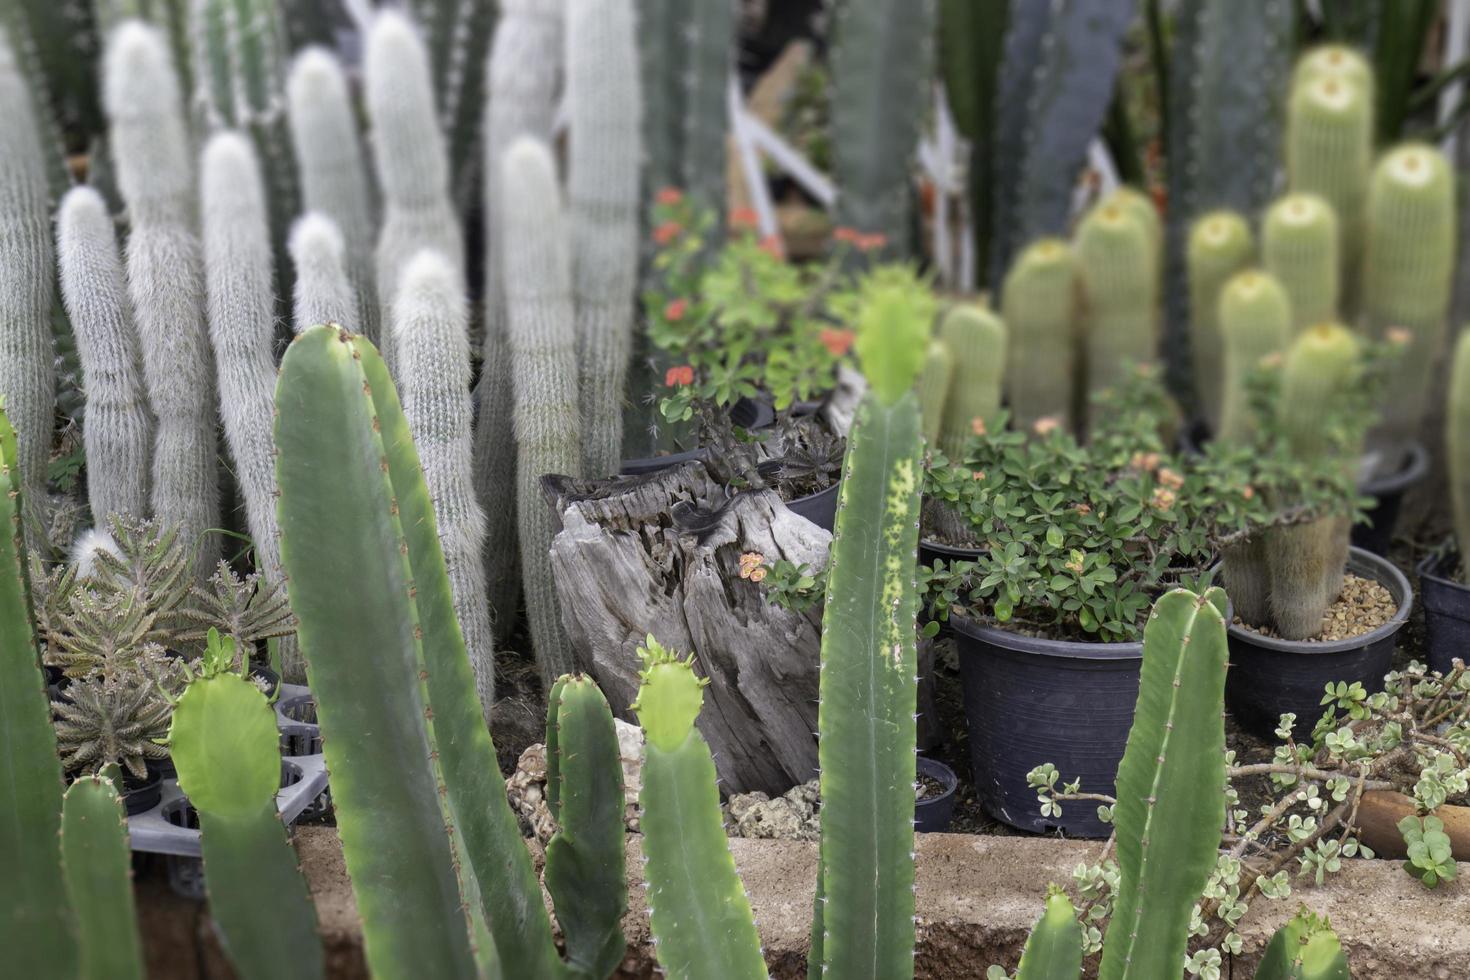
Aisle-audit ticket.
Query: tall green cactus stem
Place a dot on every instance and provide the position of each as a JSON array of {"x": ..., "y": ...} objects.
[
  {"x": 118, "y": 436},
  {"x": 35, "y": 923},
  {"x": 1220, "y": 245},
  {"x": 976, "y": 338},
  {"x": 971, "y": 46},
  {"x": 1457, "y": 445},
  {"x": 1299, "y": 246},
  {"x": 1305, "y": 948},
  {"x": 27, "y": 355},
  {"x": 881, "y": 61},
  {"x": 224, "y": 742},
  {"x": 98, "y": 867},
  {"x": 1054, "y": 949},
  {"x": 543, "y": 347},
  {"x": 603, "y": 161},
  {"x": 323, "y": 292},
  {"x": 525, "y": 69},
  {"x": 353, "y": 497},
  {"x": 458, "y": 34},
  {"x": 1171, "y": 787},
  {"x": 431, "y": 329},
  {"x": 933, "y": 387},
  {"x": 333, "y": 171},
  {"x": 701, "y": 919},
  {"x": 863, "y": 922},
  {"x": 1254, "y": 314},
  {"x": 1039, "y": 307},
  {"x": 409, "y": 151},
  {"x": 1119, "y": 283},
  {"x": 150, "y": 148},
  {"x": 1408, "y": 277}
]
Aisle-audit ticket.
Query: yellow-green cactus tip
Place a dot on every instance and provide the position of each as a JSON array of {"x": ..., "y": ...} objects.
[
  {"x": 669, "y": 698},
  {"x": 894, "y": 319}
]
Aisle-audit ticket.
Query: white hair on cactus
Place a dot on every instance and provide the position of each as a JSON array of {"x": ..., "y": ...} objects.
[{"x": 85, "y": 548}]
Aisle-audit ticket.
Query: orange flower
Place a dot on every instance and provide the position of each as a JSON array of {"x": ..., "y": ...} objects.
[
  {"x": 977, "y": 426},
  {"x": 750, "y": 566},
  {"x": 1046, "y": 424},
  {"x": 1163, "y": 499},
  {"x": 977, "y": 475},
  {"x": 743, "y": 218},
  {"x": 1170, "y": 479},
  {"x": 667, "y": 232},
  {"x": 869, "y": 243},
  {"x": 844, "y": 233},
  {"x": 772, "y": 245},
  {"x": 675, "y": 309},
  {"x": 1083, "y": 509},
  {"x": 683, "y": 374},
  {"x": 669, "y": 195},
  {"x": 1147, "y": 462},
  {"x": 1398, "y": 336},
  {"x": 837, "y": 341},
  {"x": 1249, "y": 492}
]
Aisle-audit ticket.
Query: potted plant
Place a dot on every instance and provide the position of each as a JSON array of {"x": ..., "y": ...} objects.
[{"x": 1444, "y": 584}]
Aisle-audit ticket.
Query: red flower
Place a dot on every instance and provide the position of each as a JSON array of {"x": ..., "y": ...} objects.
[
  {"x": 772, "y": 245},
  {"x": 743, "y": 218},
  {"x": 837, "y": 341},
  {"x": 683, "y": 374},
  {"x": 867, "y": 243},
  {"x": 844, "y": 233},
  {"x": 675, "y": 309},
  {"x": 669, "y": 195},
  {"x": 667, "y": 232}
]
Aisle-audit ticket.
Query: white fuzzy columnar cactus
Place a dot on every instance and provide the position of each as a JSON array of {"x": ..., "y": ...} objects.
[
  {"x": 27, "y": 359},
  {"x": 431, "y": 331},
  {"x": 322, "y": 292},
  {"x": 150, "y": 149},
  {"x": 333, "y": 171},
  {"x": 524, "y": 70},
  {"x": 603, "y": 170},
  {"x": 408, "y": 149},
  {"x": 118, "y": 436},
  {"x": 544, "y": 369}
]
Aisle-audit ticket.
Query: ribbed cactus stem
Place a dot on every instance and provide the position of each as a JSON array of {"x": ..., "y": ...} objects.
[
  {"x": 1144, "y": 211},
  {"x": 976, "y": 339},
  {"x": 1054, "y": 949},
  {"x": 409, "y": 151},
  {"x": 27, "y": 356},
  {"x": 933, "y": 387},
  {"x": 458, "y": 35},
  {"x": 1457, "y": 446},
  {"x": 333, "y": 169},
  {"x": 323, "y": 292},
  {"x": 1119, "y": 275},
  {"x": 99, "y": 880},
  {"x": 118, "y": 436},
  {"x": 1254, "y": 314},
  {"x": 430, "y": 327},
  {"x": 1299, "y": 246},
  {"x": 1039, "y": 306},
  {"x": 1219, "y": 246},
  {"x": 150, "y": 148},
  {"x": 543, "y": 351},
  {"x": 1305, "y": 948},
  {"x": 603, "y": 159}
]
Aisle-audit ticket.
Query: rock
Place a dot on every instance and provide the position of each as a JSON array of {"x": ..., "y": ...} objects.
[
  {"x": 526, "y": 788},
  {"x": 791, "y": 816}
]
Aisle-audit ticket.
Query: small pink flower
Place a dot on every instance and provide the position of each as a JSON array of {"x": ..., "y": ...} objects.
[
  {"x": 1045, "y": 425},
  {"x": 869, "y": 243},
  {"x": 667, "y": 232},
  {"x": 843, "y": 233},
  {"x": 838, "y": 342},
  {"x": 773, "y": 246},
  {"x": 1163, "y": 499},
  {"x": 683, "y": 374},
  {"x": 743, "y": 217},
  {"x": 1170, "y": 479},
  {"x": 977, "y": 426},
  {"x": 675, "y": 309},
  {"x": 669, "y": 196}
]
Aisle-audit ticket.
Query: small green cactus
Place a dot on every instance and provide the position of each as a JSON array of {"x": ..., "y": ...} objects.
[
  {"x": 99, "y": 880},
  {"x": 1457, "y": 446},
  {"x": 1039, "y": 306},
  {"x": 976, "y": 339},
  {"x": 1305, "y": 948},
  {"x": 1299, "y": 246},
  {"x": 933, "y": 386},
  {"x": 1119, "y": 272},
  {"x": 1053, "y": 951},
  {"x": 1339, "y": 61},
  {"x": 1254, "y": 314},
  {"x": 1220, "y": 245}
]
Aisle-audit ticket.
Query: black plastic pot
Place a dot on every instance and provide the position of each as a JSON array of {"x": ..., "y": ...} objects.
[
  {"x": 1029, "y": 701},
  {"x": 932, "y": 551},
  {"x": 1389, "y": 492},
  {"x": 749, "y": 413},
  {"x": 139, "y": 795},
  {"x": 1446, "y": 611},
  {"x": 932, "y": 814},
  {"x": 1269, "y": 677},
  {"x": 820, "y": 508}
]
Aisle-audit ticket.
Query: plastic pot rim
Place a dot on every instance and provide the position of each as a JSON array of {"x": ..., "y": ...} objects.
[
  {"x": 1432, "y": 564},
  {"x": 1413, "y": 470},
  {"x": 939, "y": 772}
]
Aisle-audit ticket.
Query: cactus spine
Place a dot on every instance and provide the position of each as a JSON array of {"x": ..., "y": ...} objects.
[
  {"x": 1299, "y": 246},
  {"x": 1457, "y": 445},
  {"x": 1254, "y": 314},
  {"x": 98, "y": 865},
  {"x": 604, "y": 157},
  {"x": 1054, "y": 949},
  {"x": 432, "y": 333},
  {"x": 1119, "y": 275},
  {"x": 1219, "y": 246},
  {"x": 933, "y": 386},
  {"x": 333, "y": 172},
  {"x": 543, "y": 350},
  {"x": 1039, "y": 306},
  {"x": 976, "y": 338},
  {"x": 27, "y": 358},
  {"x": 323, "y": 293},
  {"x": 165, "y": 280},
  {"x": 119, "y": 432}
]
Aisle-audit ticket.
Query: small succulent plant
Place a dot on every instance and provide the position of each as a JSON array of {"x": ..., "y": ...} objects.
[{"x": 119, "y": 720}]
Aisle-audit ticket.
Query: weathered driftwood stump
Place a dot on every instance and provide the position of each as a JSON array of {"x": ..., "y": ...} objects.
[{"x": 660, "y": 554}]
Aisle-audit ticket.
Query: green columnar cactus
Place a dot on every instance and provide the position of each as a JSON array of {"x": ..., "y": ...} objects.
[
  {"x": 353, "y": 497},
  {"x": 431, "y": 329},
  {"x": 224, "y": 742},
  {"x": 27, "y": 355},
  {"x": 1299, "y": 246},
  {"x": 933, "y": 387},
  {"x": 118, "y": 435},
  {"x": 1054, "y": 949},
  {"x": 98, "y": 867},
  {"x": 409, "y": 151},
  {"x": 1219, "y": 246},
  {"x": 333, "y": 172},
  {"x": 1171, "y": 787},
  {"x": 976, "y": 338},
  {"x": 603, "y": 160},
  {"x": 700, "y": 915},
  {"x": 323, "y": 292},
  {"x": 1119, "y": 276},
  {"x": 1143, "y": 210},
  {"x": 35, "y": 923},
  {"x": 881, "y": 62},
  {"x": 1039, "y": 306},
  {"x": 1457, "y": 445},
  {"x": 458, "y": 34},
  {"x": 537, "y": 279},
  {"x": 1408, "y": 276},
  {"x": 1305, "y": 948},
  {"x": 1254, "y": 314},
  {"x": 863, "y": 921},
  {"x": 150, "y": 148},
  {"x": 971, "y": 46},
  {"x": 1338, "y": 61}
]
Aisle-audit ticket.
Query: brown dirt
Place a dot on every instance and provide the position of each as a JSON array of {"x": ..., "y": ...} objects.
[{"x": 1363, "y": 606}]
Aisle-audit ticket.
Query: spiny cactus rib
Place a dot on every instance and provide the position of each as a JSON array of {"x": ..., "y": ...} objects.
[
  {"x": 118, "y": 435},
  {"x": 333, "y": 172},
  {"x": 1219, "y": 246},
  {"x": 458, "y": 36},
  {"x": 1054, "y": 948},
  {"x": 1171, "y": 787},
  {"x": 150, "y": 148},
  {"x": 1457, "y": 445},
  {"x": 27, "y": 354},
  {"x": 700, "y": 915},
  {"x": 431, "y": 330},
  {"x": 1039, "y": 306},
  {"x": 543, "y": 351},
  {"x": 976, "y": 338},
  {"x": 408, "y": 149},
  {"x": 323, "y": 293},
  {"x": 1300, "y": 247},
  {"x": 1119, "y": 276},
  {"x": 35, "y": 923},
  {"x": 603, "y": 160},
  {"x": 99, "y": 880}
]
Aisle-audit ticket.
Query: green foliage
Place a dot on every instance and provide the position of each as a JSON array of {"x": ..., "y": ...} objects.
[
  {"x": 99, "y": 884},
  {"x": 1430, "y": 859}
]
